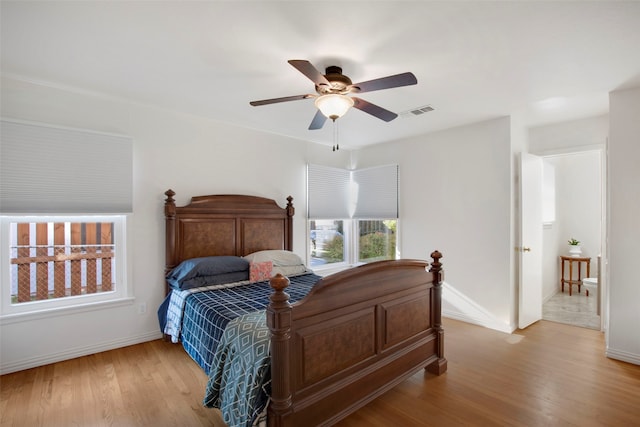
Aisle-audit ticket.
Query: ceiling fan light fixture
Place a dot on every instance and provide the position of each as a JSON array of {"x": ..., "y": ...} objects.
[{"x": 334, "y": 105}]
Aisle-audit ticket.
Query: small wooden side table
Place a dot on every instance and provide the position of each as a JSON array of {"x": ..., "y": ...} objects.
[{"x": 571, "y": 281}]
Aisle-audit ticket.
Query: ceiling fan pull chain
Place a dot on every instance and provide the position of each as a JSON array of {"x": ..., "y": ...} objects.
[{"x": 336, "y": 146}]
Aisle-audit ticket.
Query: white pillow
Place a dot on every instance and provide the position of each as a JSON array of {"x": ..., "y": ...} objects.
[
  {"x": 290, "y": 270},
  {"x": 279, "y": 258}
]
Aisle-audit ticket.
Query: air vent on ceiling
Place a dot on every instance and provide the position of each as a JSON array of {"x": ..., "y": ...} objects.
[{"x": 417, "y": 111}]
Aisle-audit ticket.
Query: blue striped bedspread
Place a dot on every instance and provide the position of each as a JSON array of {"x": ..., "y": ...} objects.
[
  {"x": 223, "y": 328},
  {"x": 198, "y": 317}
]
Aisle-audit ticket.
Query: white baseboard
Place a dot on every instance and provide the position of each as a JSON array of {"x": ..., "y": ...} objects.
[
  {"x": 7, "y": 368},
  {"x": 501, "y": 327},
  {"x": 456, "y": 305},
  {"x": 623, "y": 356}
]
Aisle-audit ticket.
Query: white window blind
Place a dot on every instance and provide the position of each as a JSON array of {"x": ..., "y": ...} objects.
[
  {"x": 339, "y": 193},
  {"x": 548, "y": 192},
  {"x": 327, "y": 192},
  {"x": 46, "y": 169},
  {"x": 377, "y": 192}
]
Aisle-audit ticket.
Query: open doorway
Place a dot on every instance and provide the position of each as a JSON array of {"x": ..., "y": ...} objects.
[{"x": 579, "y": 186}]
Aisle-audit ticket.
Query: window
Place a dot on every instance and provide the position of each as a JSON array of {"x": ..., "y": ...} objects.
[
  {"x": 377, "y": 240},
  {"x": 326, "y": 242},
  {"x": 548, "y": 192},
  {"x": 56, "y": 262},
  {"x": 329, "y": 242},
  {"x": 60, "y": 259},
  {"x": 64, "y": 196},
  {"x": 352, "y": 215}
]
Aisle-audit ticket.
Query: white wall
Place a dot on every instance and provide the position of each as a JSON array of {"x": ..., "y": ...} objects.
[
  {"x": 192, "y": 156},
  {"x": 623, "y": 340},
  {"x": 571, "y": 136},
  {"x": 455, "y": 196}
]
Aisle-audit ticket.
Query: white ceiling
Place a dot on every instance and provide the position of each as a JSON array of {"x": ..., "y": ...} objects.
[{"x": 549, "y": 61}]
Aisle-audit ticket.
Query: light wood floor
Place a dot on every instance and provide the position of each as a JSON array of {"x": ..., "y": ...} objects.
[{"x": 547, "y": 375}]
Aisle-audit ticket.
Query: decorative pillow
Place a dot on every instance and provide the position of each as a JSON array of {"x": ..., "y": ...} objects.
[
  {"x": 260, "y": 271},
  {"x": 279, "y": 258},
  {"x": 214, "y": 268}
]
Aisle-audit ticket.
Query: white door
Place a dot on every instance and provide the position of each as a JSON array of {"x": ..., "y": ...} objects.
[{"x": 530, "y": 244}]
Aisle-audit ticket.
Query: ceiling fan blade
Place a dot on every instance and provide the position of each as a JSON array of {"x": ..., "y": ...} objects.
[
  {"x": 306, "y": 68},
  {"x": 373, "y": 109},
  {"x": 404, "y": 79},
  {"x": 284, "y": 99},
  {"x": 318, "y": 121}
]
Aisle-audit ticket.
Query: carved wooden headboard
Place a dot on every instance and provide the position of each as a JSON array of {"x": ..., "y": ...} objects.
[{"x": 227, "y": 224}]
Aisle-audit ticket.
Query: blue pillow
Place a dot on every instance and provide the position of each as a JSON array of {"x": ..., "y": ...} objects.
[
  {"x": 217, "y": 279},
  {"x": 196, "y": 272}
]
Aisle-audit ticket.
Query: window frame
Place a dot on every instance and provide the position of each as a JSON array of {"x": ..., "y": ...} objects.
[
  {"x": 351, "y": 245},
  {"x": 122, "y": 293}
]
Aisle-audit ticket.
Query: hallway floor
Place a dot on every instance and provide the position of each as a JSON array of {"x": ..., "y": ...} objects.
[{"x": 577, "y": 309}]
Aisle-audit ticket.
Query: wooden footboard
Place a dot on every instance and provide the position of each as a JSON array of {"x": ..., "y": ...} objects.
[{"x": 356, "y": 335}]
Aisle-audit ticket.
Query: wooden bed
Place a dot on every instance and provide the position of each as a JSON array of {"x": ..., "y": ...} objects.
[{"x": 357, "y": 334}]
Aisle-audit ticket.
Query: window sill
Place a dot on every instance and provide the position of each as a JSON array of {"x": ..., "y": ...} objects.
[
  {"x": 325, "y": 271},
  {"x": 6, "y": 319}
]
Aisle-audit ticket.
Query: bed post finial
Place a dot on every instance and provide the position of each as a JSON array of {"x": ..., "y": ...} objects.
[
  {"x": 279, "y": 322},
  {"x": 290, "y": 209},
  {"x": 169, "y": 203},
  {"x": 436, "y": 266},
  {"x": 440, "y": 365}
]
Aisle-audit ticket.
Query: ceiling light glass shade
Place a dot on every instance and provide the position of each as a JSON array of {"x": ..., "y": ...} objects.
[{"x": 334, "y": 105}]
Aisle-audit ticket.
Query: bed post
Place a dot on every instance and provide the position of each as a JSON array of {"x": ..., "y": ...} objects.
[
  {"x": 279, "y": 322},
  {"x": 170, "y": 243},
  {"x": 440, "y": 365},
  {"x": 289, "y": 226}
]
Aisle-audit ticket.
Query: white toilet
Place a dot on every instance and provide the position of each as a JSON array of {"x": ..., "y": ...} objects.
[{"x": 591, "y": 285}]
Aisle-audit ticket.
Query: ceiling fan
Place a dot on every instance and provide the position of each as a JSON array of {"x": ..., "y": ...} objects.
[{"x": 333, "y": 89}]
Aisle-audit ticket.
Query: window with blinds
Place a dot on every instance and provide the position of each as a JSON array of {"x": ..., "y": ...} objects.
[
  {"x": 353, "y": 215},
  {"x": 64, "y": 196}
]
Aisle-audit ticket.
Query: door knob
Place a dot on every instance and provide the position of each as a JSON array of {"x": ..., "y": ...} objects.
[{"x": 525, "y": 249}]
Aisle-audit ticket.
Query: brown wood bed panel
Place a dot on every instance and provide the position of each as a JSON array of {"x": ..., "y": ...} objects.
[
  {"x": 357, "y": 334},
  {"x": 225, "y": 225}
]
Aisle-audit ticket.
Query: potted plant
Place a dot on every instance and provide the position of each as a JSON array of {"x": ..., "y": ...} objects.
[{"x": 574, "y": 247}]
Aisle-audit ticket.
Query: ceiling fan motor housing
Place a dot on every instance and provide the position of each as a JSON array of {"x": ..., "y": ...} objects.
[{"x": 340, "y": 83}]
